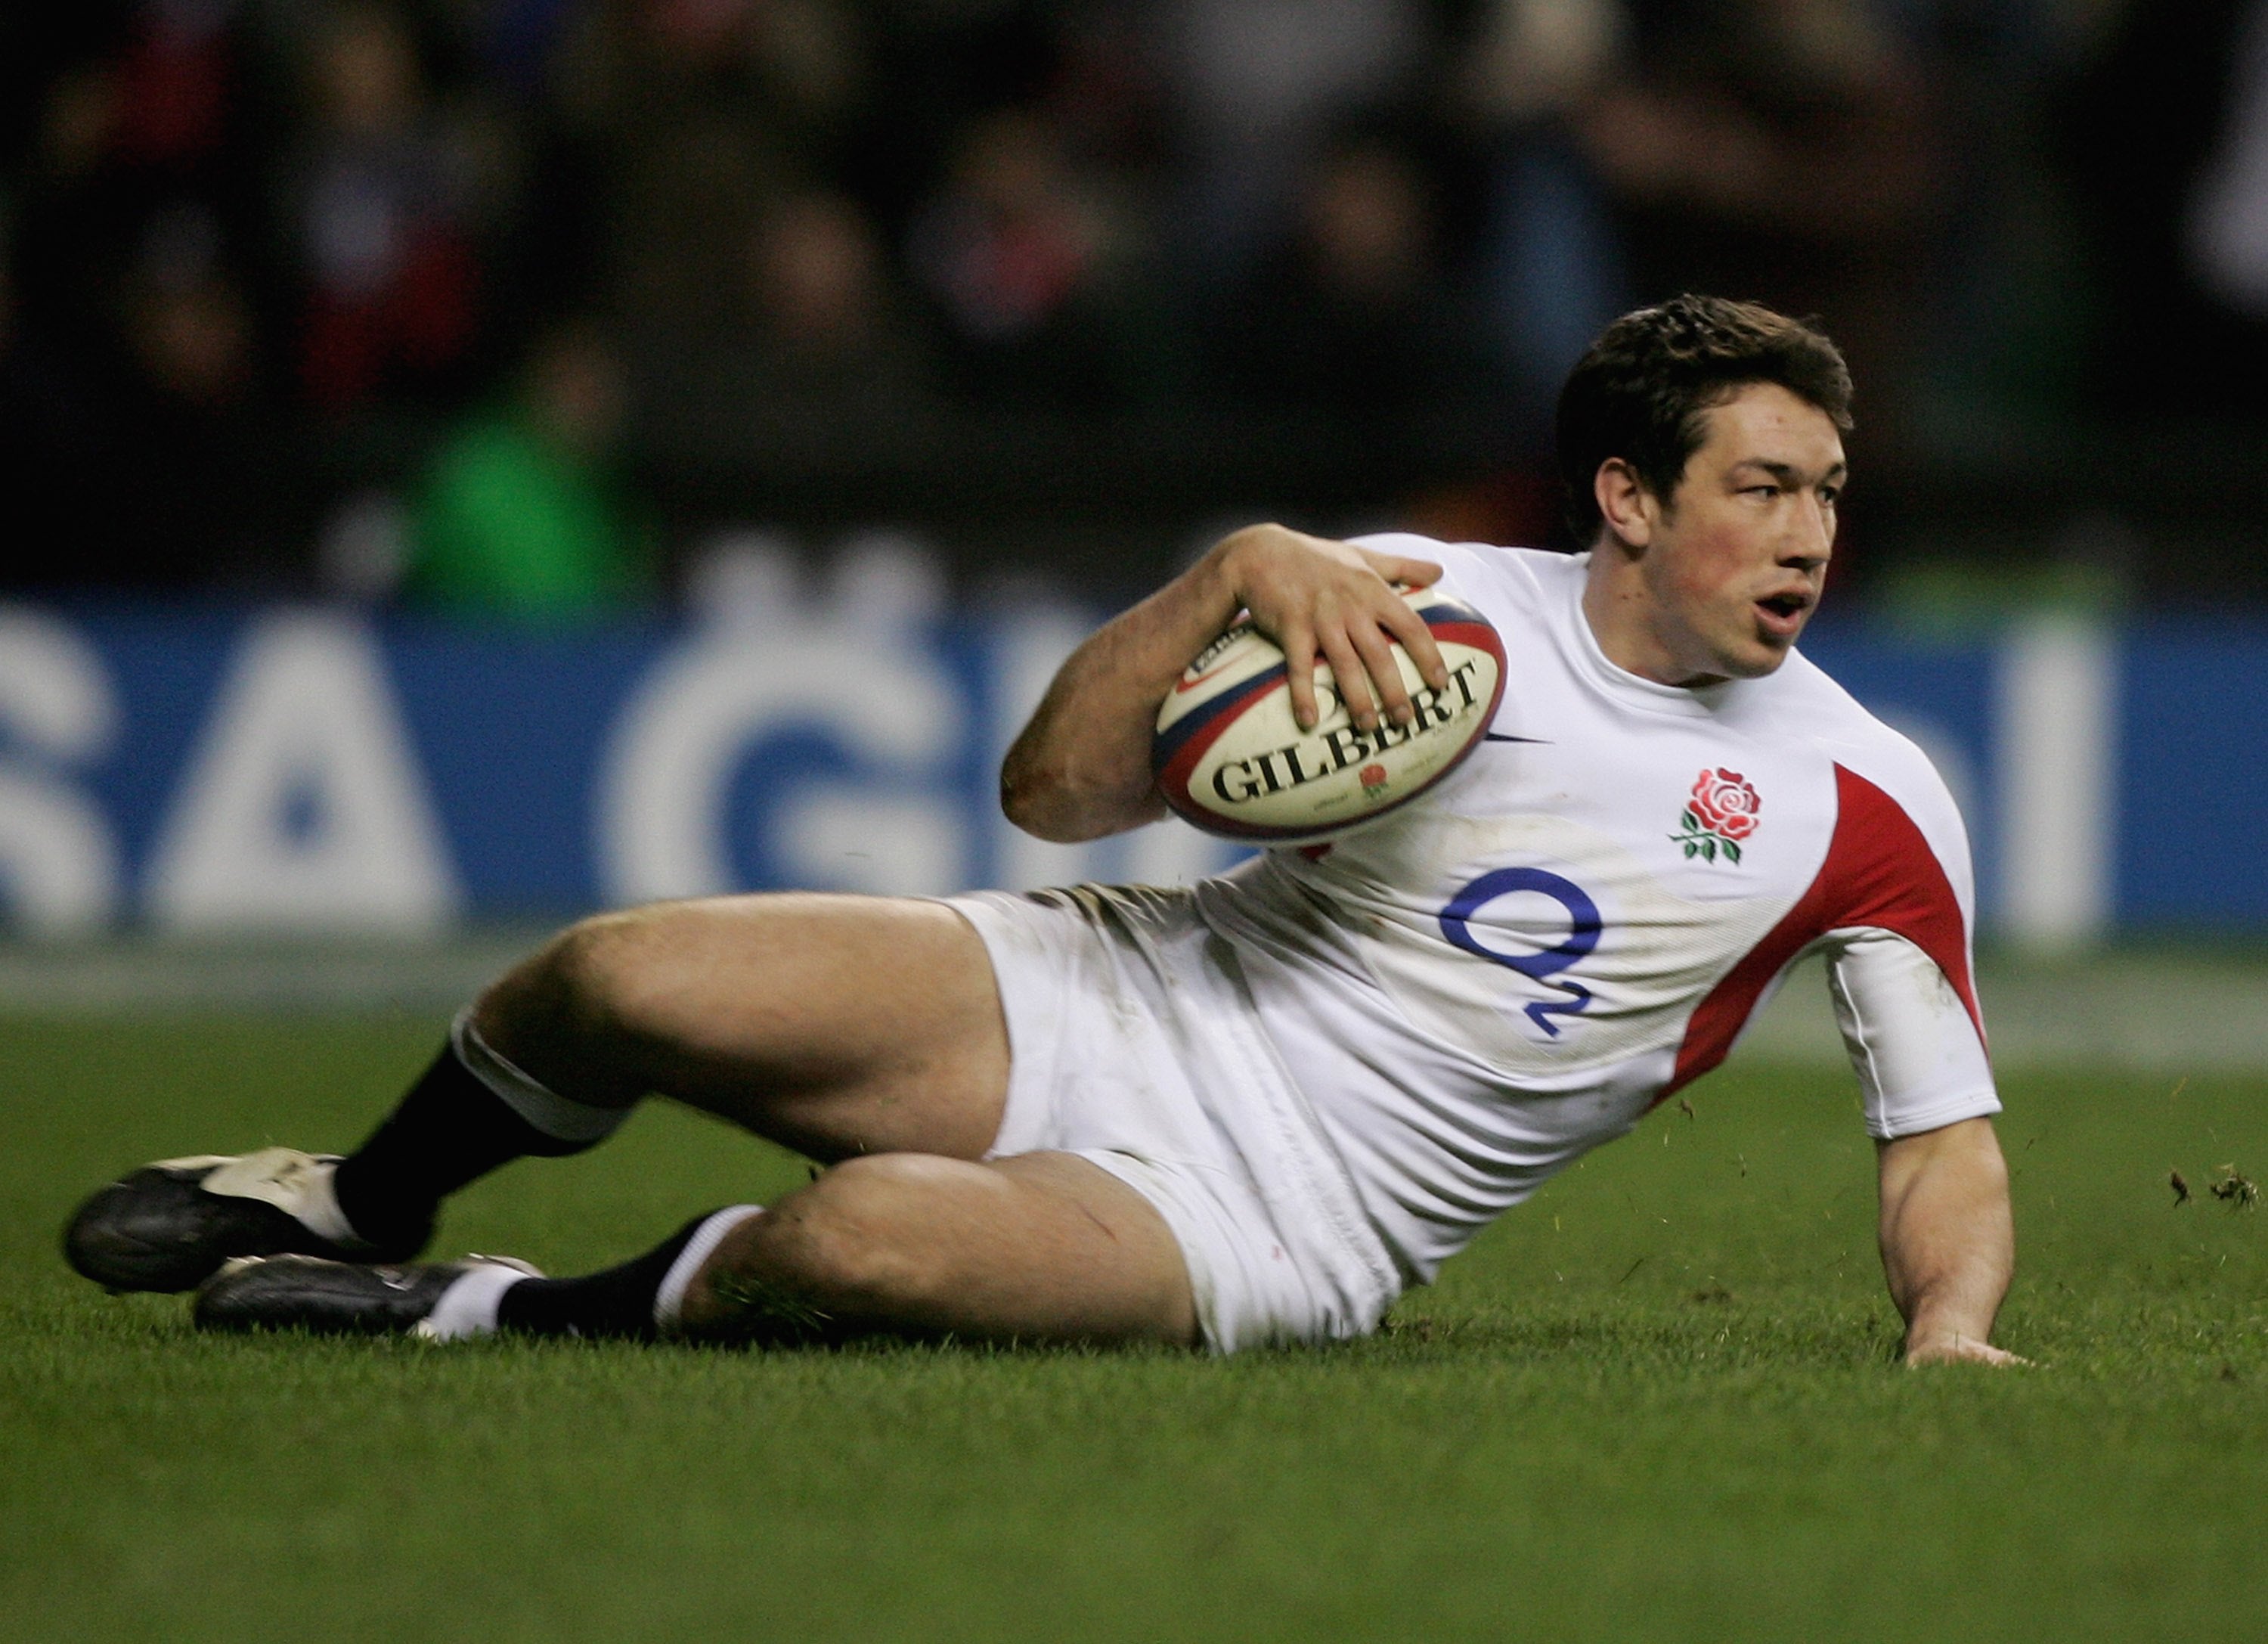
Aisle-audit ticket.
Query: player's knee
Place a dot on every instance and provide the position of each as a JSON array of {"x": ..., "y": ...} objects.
[
  {"x": 602, "y": 975},
  {"x": 857, "y": 1239}
]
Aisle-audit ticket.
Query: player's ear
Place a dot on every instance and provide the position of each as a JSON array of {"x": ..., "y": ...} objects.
[{"x": 1624, "y": 503}]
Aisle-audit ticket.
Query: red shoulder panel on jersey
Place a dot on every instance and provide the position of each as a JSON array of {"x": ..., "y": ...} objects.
[{"x": 1880, "y": 873}]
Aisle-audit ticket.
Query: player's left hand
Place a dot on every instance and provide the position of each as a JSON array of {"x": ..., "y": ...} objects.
[
  {"x": 1320, "y": 597},
  {"x": 1956, "y": 1348}
]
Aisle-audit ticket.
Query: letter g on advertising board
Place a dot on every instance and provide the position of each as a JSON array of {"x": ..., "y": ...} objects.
[{"x": 665, "y": 781}]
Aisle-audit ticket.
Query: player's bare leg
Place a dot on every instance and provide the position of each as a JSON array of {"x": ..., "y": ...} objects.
[
  {"x": 1044, "y": 1246},
  {"x": 835, "y": 1024},
  {"x": 856, "y": 1029}
]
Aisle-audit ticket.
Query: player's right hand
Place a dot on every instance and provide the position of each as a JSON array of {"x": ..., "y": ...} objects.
[
  {"x": 1955, "y": 1349},
  {"x": 1317, "y": 597}
]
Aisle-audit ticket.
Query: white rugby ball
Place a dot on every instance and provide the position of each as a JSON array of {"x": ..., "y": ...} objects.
[{"x": 1230, "y": 757}]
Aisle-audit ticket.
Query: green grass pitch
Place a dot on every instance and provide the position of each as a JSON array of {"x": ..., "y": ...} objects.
[{"x": 1658, "y": 1402}]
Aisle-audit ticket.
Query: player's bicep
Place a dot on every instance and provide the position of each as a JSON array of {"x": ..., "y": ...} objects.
[{"x": 1919, "y": 1057}]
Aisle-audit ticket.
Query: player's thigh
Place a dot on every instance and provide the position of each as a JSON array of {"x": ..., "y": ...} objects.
[
  {"x": 837, "y": 1024},
  {"x": 1041, "y": 1247}
]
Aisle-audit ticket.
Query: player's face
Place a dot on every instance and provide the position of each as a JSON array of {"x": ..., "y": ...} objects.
[{"x": 1737, "y": 560}]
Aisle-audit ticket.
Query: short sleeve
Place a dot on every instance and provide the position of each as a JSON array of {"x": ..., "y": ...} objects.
[{"x": 1913, "y": 1041}]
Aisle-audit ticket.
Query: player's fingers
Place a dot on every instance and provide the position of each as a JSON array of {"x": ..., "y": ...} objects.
[
  {"x": 1418, "y": 639},
  {"x": 1376, "y": 649},
  {"x": 1983, "y": 1354},
  {"x": 1298, "y": 643},
  {"x": 1352, "y": 678},
  {"x": 1410, "y": 573},
  {"x": 1964, "y": 1350}
]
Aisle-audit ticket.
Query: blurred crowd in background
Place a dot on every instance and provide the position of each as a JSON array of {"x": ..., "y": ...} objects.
[{"x": 542, "y": 305}]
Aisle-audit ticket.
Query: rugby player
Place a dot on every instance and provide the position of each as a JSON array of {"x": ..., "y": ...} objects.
[{"x": 1256, "y": 1109}]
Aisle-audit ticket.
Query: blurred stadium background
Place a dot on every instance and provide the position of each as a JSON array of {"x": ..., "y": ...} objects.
[{"x": 472, "y": 461}]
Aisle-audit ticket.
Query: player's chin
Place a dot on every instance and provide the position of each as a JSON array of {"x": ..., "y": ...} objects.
[
  {"x": 1767, "y": 642},
  {"x": 1755, "y": 656}
]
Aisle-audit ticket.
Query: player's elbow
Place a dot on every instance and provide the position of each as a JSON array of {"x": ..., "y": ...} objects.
[
  {"x": 1967, "y": 1151},
  {"x": 1050, "y": 800},
  {"x": 1045, "y": 807},
  {"x": 1031, "y": 796}
]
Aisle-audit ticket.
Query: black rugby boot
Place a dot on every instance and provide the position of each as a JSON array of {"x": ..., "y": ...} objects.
[
  {"x": 340, "y": 1298},
  {"x": 170, "y": 1225}
]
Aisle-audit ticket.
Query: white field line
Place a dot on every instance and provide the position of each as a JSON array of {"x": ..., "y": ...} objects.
[
  {"x": 2148, "y": 1012},
  {"x": 176, "y": 977},
  {"x": 2152, "y": 1011}
]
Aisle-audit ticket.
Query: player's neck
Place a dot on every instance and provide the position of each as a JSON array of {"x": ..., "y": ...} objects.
[{"x": 1625, "y": 620}]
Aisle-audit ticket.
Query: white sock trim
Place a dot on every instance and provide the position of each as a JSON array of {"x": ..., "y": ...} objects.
[
  {"x": 467, "y": 1307},
  {"x": 545, "y": 1108},
  {"x": 669, "y": 1301}
]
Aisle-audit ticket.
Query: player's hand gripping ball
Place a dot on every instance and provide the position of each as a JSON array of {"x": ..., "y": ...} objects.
[{"x": 1230, "y": 757}]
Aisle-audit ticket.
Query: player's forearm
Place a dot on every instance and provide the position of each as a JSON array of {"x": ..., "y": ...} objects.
[
  {"x": 1948, "y": 1240},
  {"x": 1081, "y": 768}
]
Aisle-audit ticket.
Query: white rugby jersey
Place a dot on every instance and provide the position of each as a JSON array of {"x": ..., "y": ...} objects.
[{"x": 1582, "y": 918}]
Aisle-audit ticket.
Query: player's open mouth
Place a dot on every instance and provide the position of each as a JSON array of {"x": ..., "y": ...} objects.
[{"x": 1783, "y": 613}]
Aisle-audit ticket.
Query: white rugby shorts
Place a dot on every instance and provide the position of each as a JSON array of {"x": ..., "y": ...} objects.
[{"x": 1134, "y": 1043}]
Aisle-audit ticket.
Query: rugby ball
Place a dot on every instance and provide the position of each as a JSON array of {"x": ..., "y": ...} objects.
[{"x": 1230, "y": 758}]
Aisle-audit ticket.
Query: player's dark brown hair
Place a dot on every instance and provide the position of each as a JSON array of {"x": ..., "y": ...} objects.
[{"x": 1643, "y": 390}]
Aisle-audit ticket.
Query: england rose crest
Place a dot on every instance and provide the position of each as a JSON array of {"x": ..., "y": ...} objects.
[{"x": 1718, "y": 815}]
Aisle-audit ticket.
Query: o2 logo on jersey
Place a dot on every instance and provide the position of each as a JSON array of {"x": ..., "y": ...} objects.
[{"x": 1583, "y": 928}]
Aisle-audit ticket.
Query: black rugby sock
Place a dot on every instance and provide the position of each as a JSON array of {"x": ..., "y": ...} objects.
[
  {"x": 450, "y": 1129},
  {"x": 616, "y": 1302}
]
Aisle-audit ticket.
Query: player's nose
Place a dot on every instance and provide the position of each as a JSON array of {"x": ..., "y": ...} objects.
[{"x": 1809, "y": 540}]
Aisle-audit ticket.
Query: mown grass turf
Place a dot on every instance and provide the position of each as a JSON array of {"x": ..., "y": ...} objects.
[{"x": 1659, "y": 1402}]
